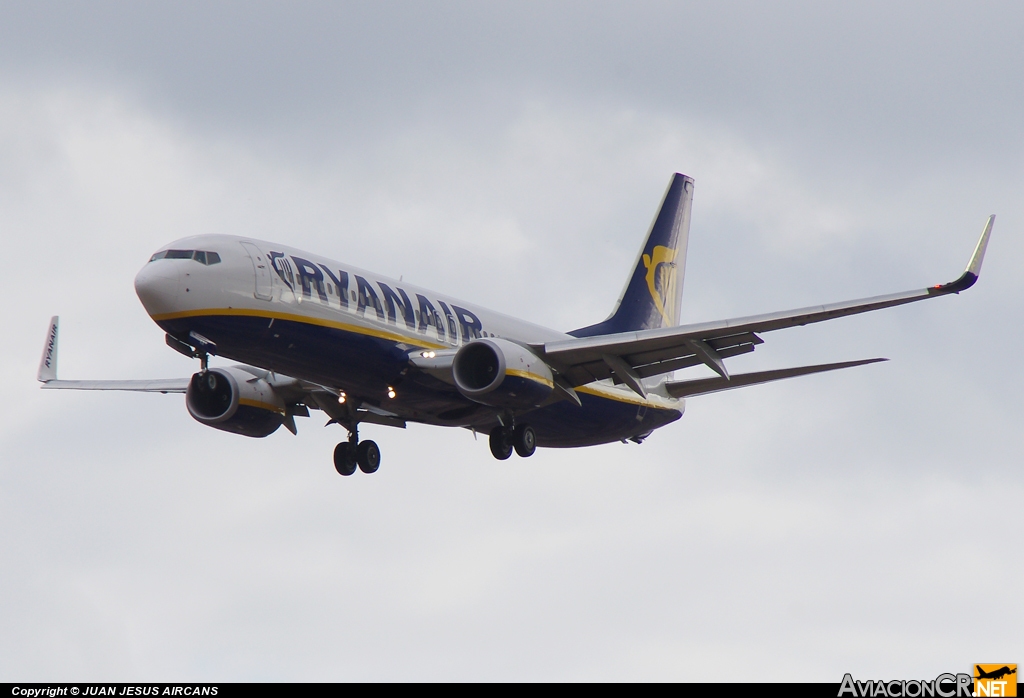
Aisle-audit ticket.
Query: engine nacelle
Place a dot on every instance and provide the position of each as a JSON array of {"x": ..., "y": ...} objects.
[
  {"x": 234, "y": 400},
  {"x": 501, "y": 373}
]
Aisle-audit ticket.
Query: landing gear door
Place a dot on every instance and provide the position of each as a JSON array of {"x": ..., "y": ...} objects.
[{"x": 261, "y": 270}]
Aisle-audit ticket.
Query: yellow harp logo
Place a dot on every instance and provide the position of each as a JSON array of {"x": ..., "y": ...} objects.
[{"x": 661, "y": 281}]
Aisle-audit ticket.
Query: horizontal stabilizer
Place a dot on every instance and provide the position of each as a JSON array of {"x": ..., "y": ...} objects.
[
  {"x": 679, "y": 389},
  {"x": 160, "y": 385},
  {"x": 48, "y": 374}
]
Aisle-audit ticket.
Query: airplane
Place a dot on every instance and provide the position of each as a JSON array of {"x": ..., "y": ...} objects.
[
  {"x": 316, "y": 334},
  {"x": 995, "y": 674}
]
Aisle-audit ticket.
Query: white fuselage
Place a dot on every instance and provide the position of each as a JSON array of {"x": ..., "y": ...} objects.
[{"x": 261, "y": 303}]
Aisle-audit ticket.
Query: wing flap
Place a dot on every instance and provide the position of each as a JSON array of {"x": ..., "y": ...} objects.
[{"x": 662, "y": 367}]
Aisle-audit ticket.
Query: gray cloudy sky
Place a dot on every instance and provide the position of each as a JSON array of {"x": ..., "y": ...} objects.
[{"x": 514, "y": 154}]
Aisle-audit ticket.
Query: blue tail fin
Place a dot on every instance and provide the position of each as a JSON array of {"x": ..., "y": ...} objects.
[{"x": 655, "y": 286}]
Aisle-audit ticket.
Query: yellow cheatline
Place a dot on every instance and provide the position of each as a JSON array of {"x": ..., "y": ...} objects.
[
  {"x": 305, "y": 319},
  {"x": 631, "y": 398},
  {"x": 261, "y": 405},
  {"x": 529, "y": 376}
]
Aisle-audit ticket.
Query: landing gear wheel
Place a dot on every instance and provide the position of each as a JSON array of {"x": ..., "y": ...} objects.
[
  {"x": 499, "y": 442},
  {"x": 368, "y": 457},
  {"x": 345, "y": 458},
  {"x": 524, "y": 438}
]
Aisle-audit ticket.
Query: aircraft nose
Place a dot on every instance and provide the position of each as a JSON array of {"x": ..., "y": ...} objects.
[{"x": 157, "y": 285}]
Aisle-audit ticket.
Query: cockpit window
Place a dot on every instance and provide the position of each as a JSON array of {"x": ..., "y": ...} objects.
[{"x": 201, "y": 256}]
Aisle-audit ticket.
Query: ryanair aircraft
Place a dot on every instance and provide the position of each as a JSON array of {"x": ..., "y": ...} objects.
[{"x": 315, "y": 334}]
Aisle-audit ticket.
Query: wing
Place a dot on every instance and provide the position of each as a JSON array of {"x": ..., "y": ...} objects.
[{"x": 629, "y": 357}]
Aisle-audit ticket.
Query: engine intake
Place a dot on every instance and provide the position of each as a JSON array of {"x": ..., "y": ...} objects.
[
  {"x": 501, "y": 373},
  {"x": 234, "y": 400}
]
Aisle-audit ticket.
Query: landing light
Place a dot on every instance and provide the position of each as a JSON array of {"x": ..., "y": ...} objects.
[
  {"x": 428, "y": 354},
  {"x": 341, "y": 398},
  {"x": 391, "y": 392}
]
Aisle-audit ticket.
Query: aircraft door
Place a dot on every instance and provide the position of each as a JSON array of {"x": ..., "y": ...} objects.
[{"x": 261, "y": 271}]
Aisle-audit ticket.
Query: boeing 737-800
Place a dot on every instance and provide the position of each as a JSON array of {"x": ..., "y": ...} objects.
[{"x": 313, "y": 333}]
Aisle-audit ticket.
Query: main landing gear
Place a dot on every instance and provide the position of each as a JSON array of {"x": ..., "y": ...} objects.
[
  {"x": 522, "y": 438},
  {"x": 355, "y": 453}
]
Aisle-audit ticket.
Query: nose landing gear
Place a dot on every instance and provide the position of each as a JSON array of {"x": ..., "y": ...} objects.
[{"x": 522, "y": 438}]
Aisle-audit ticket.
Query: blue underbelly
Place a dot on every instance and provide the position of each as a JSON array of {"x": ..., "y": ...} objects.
[{"x": 367, "y": 366}]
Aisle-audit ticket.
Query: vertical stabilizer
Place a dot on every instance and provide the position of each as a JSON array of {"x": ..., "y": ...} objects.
[{"x": 654, "y": 289}]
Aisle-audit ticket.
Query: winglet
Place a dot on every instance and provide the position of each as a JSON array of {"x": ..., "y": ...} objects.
[
  {"x": 48, "y": 364},
  {"x": 979, "y": 252},
  {"x": 970, "y": 275}
]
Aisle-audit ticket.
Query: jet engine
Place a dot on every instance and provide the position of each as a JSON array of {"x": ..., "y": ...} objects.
[
  {"x": 234, "y": 400},
  {"x": 501, "y": 373}
]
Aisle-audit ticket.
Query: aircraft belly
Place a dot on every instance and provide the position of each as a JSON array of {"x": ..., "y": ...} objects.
[
  {"x": 366, "y": 366},
  {"x": 363, "y": 365},
  {"x": 598, "y": 421}
]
